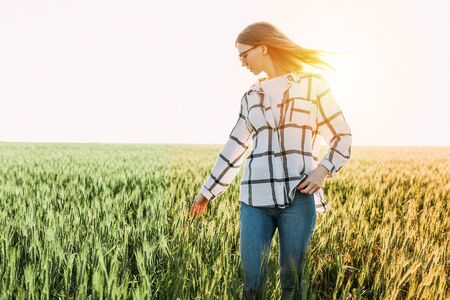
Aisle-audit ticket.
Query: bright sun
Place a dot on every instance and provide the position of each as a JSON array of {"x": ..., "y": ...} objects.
[{"x": 358, "y": 58}]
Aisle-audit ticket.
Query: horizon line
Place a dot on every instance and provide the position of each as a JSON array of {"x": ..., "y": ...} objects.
[{"x": 200, "y": 144}]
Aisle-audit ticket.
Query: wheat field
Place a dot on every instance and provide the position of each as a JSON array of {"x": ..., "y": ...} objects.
[{"x": 93, "y": 221}]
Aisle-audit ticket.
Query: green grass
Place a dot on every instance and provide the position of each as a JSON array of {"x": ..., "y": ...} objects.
[{"x": 82, "y": 221}]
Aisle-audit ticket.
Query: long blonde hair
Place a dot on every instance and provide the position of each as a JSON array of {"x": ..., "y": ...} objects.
[{"x": 286, "y": 53}]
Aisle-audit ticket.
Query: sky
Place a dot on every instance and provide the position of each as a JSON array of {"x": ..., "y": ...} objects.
[{"x": 168, "y": 71}]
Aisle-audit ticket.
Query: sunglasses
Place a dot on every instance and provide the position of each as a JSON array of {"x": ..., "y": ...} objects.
[{"x": 243, "y": 55}]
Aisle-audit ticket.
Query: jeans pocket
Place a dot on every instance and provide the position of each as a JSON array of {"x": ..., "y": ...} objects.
[{"x": 302, "y": 198}]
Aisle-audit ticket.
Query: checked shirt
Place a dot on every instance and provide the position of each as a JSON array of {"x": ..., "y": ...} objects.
[{"x": 281, "y": 155}]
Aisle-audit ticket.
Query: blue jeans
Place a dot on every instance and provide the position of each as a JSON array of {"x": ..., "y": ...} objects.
[{"x": 257, "y": 225}]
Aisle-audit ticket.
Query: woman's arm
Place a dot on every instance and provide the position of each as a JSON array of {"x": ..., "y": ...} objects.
[
  {"x": 231, "y": 157},
  {"x": 333, "y": 127}
]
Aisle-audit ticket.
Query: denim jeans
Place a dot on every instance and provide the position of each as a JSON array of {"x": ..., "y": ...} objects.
[{"x": 295, "y": 225}]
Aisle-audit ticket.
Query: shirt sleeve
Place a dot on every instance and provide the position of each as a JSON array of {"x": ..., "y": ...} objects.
[
  {"x": 333, "y": 127},
  {"x": 231, "y": 157}
]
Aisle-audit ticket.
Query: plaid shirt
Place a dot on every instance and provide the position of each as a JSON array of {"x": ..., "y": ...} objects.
[{"x": 282, "y": 154}]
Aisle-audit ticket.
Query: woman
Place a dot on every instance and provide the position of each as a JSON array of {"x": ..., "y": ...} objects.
[{"x": 281, "y": 116}]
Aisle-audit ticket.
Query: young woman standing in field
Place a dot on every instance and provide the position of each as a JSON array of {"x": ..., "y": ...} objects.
[{"x": 281, "y": 116}]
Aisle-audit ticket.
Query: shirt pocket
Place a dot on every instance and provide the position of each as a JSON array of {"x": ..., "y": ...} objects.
[{"x": 300, "y": 112}]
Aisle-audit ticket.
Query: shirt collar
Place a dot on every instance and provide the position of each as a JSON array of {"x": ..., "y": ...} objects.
[{"x": 293, "y": 76}]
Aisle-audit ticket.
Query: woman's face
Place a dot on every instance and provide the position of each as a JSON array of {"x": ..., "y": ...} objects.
[{"x": 251, "y": 57}]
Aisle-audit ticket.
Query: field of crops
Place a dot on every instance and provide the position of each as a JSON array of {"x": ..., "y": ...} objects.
[{"x": 81, "y": 221}]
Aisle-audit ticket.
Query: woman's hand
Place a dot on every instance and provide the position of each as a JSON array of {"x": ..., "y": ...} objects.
[
  {"x": 314, "y": 181},
  {"x": 198, "y": 207}
]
